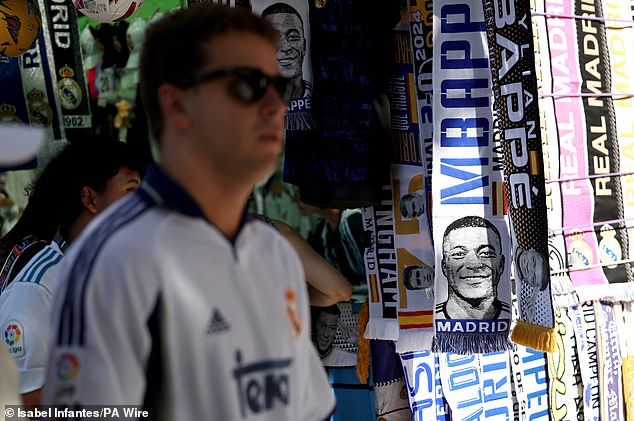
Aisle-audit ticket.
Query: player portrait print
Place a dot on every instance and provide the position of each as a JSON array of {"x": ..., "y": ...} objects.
[
  {"x": 472, "y": 264},
  {"x": 335, "y": 334}
]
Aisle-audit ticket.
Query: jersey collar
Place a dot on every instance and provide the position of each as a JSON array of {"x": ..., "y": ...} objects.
[{"x": 161, "y": 189}]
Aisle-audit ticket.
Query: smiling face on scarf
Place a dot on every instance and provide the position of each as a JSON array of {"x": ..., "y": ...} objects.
[
  {"x": 292, "y": 47},
  {"x": 473, "y": 263},
  {"x": 325, "y": 330}
]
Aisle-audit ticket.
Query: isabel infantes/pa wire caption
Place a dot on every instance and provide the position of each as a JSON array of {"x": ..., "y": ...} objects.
[{"x": 104, "y": 413}]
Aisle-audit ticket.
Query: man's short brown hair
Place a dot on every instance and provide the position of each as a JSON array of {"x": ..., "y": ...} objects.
[{"x": 174, "y": 48}]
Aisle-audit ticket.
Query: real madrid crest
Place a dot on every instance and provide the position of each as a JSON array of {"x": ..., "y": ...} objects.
[
  {"x": 8, "y": 114},
  {"x": 40, "y": 112},
  {"x": 609, "y": 247},
  {"x": 579, "y": 251},
  {"x": 69, "y": 90},
  {"x": 294, "y": 318},
  {"x": 320, "y": 3}
]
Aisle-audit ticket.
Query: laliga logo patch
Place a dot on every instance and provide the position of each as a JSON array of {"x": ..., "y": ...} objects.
[
  {"x": 14, "y": 338},
  {"x": 291, "y": 310},
  {"x": 67, "y": 367}
]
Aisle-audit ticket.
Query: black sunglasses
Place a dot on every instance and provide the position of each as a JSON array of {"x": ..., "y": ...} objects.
[{"x": 250, "y": 84}]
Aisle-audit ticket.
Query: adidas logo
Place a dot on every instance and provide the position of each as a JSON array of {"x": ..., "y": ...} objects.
[{"x": 217, "y": 324}]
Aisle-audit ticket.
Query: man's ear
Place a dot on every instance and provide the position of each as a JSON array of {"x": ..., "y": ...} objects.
[
  {"x": 443, "y": 267},
  {"x": 171, "y": 101},
  {"x": 89, "y": 199}
]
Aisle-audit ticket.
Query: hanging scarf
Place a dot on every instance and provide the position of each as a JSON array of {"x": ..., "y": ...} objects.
[
  {"x": 299, "y": 115},
  {"x": 514, "y": 84},
  {"x": 517, "y": 413},
  {"x": 13, "y": 107},
  {"x": 477, "y": 386},
  {"x": 626, "y": 338},
  {"x": 586, "y": 335},
  {"x": 412, "y": 236},
  {"x": 609, "y": 357},
  {"x": 71, "y": 88},
  {"x": 460, "y": 376},
  {"x": 530, "y": 379},
  {"x": 620, "y": 38},
  {"x": 496, "y": 385},
  {"x": 342, "y": 162},
  {"x": 343, "y": 351},
  {"x": 380, "y": 267},
  {"x": 421, "y": 20},
  {"x": 602, "y": 149},
  {"x": 419, "y": 371},
  {"x": 390, "y": 400},
  {"x": 569, "y": 132},
  {"x": 38, "y": 85},
  {"x": 529, "y": 371},
  {"x": 564, "y": 376},
  {"x": 562, "y": 289},
  {"x": 467, "y": 182}
]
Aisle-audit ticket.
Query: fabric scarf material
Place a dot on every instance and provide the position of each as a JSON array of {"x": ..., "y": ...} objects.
[
  {"x": 562, "y": 289},
  {"x": 518, "y": 129},
  {"x": 625, "y": 318},
  {"x": 391, "y": 401},
  {"x": 71, "y": 88},
  {"x": 621, "y": 61},
  {"x": 576, "y": 191},
  {"x": 609, "y": 358},
  {"x": 477, "y": 386},
  {"x": 344, "y": 345},
  {"x": 496, "y": 385},
  {"x": 564, "y": 376},
  {"x": 380, "y": 265},
  {"x": 531, "y": 385},
  {"x": 602, "y": 150},
  {"x": 586, "y": 335},
  {"x": 460, "y": 377},
  {"x": 44, "y": 110},
  {"x": 467, "y": 185},
  {"x": 412, "y": 236},
  {"x": 622, "y": 64},
  {"x": 424, "y": 386},
  {"x": 421, "y": 20},
  {"x": 299, "y": 115}
]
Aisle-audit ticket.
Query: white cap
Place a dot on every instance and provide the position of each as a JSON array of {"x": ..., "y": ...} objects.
[
  {"x": 19, "y": 144},
  {"x": 135, "y": 36}
]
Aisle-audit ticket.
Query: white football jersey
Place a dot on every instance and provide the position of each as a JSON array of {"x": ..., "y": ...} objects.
[
  {"x": 157, "y": 308},
  {"x": 25, "y": 315}
]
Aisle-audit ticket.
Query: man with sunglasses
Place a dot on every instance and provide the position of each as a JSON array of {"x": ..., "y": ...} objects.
[{"x": 177, "y": 301}]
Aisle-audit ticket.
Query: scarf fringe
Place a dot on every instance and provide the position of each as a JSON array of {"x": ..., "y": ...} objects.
[
  {"x": 536, "y": 337},
  {"x": 563, "y": 292},
  {"x": 617, "y": 292},
  {"x": 466, "y": 343},
  {"x": 302, "y": 120},
  {"x": 566, "y": 300},
  {"x": 382, "y": 329},
  {"x": 414, "y": 340},
  {"x": 620, "y": 292}
]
